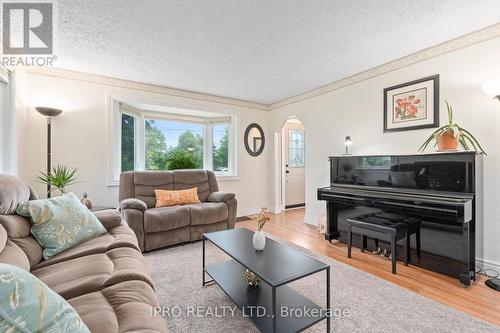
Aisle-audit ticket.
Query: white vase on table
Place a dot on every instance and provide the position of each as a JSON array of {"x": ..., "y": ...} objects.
[{"x": 259, "y": 240}]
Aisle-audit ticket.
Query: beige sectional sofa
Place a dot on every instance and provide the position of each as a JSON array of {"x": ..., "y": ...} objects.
[
  {"x": 165, "y": 226},
  {"x": 104, "y": 279}
]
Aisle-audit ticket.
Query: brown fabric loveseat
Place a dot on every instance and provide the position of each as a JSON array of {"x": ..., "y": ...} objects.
[
  {"x": 165, "y": 226},
  {"x": 104, "y": 279}
]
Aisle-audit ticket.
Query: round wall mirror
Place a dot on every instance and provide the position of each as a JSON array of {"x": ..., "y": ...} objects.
[{"x": 254, "y": 139}]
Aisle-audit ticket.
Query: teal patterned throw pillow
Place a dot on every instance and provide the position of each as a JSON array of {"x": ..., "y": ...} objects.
[
  {"x": 28, "y": 305},
  {"x": 60, "y": 223}
]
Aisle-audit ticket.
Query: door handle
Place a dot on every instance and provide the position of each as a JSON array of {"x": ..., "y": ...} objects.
[{"x": 287, "y": 171}]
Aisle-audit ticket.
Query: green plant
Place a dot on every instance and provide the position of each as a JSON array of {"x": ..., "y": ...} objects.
[
  {"x": 464, "y": 137},
  {"x": 59, "y": 178},
  {"x": 178, "y": 159}
]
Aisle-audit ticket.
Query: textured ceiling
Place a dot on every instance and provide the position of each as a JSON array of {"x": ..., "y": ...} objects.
[{"x": 261, "y": 51}]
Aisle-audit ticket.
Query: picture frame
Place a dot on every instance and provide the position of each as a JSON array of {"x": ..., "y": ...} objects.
[{"x": 412, "y": 105}]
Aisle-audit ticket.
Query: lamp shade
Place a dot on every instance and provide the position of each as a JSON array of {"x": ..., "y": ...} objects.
[
  {"x": 492, "y": 87},
  {"x": 348, "y": 141},
  {"x": 48, "y": 112}
]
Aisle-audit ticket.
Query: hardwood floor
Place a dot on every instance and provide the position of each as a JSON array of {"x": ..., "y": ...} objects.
[{"x": 477, "y": 300}]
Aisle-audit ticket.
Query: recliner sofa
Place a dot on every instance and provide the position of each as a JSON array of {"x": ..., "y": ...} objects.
[
  {"x": 104, "y": 279},
  {"x": 160, "y": 227}
]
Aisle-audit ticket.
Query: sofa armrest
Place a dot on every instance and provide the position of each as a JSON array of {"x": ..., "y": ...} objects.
[
  {"x": 220, "y": 196},
  {"x": 133, "y": 214},
  {"x": 133, "y": 203},
  {"x": 109, "y": 218}
]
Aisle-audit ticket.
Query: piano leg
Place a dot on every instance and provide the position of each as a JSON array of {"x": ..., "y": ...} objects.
[
  {"x": 467, "y": 275},
  {"x": 332, "y": 216},
  {"x": 393, "y": 253},
  {"x": 406, "y": 249},
  {"x": 418, "y": 242},
  {"x": 465, "y": 279},
  {"x": 349, "y": 241}
]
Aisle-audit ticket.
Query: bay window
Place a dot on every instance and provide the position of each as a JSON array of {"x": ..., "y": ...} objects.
[{"x": 163, "y": 141}]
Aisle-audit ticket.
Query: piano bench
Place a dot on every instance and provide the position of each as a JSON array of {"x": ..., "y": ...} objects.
[{"x": 388, "y": 227}]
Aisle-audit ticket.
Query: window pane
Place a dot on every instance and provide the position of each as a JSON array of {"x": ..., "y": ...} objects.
[
  {"x": 220, "y": 147},
  {"x": 296, "y": 148},
  {"x": 173, "y": 145},
  {"x": 128, "y": 142}
]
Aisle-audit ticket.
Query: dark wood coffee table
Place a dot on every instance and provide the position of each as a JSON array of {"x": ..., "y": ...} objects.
[{"x": 272, "y": 306}]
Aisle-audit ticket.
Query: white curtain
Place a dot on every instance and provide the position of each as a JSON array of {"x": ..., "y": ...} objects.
[{"x": 8, "y": 146}]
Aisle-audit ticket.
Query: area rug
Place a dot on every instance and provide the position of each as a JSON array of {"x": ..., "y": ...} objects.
[{"x": 360, "y": 301}]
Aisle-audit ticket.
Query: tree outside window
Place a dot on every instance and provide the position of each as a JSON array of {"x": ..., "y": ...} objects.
[
  {"x": 171, "y": 144},
  {"x": 220, "y": 147},
  {"x": 128, "y": 143}
]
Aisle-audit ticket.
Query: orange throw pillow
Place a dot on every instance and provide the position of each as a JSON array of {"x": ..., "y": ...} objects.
[{"x": 166, "y": 198}]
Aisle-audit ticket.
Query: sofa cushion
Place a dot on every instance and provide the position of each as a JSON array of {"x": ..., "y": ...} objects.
[
  {"x": 16, "y": 226},
  {"x": 28, "y": 305},
  {"x": 14, "y": 255},
  {"x": 124, "y": 307},
  {"x": 166, "y": 218},
  {"x": 60, "y": 223},
  {"x": 184, "y": 179},
  {"x": 145, "y": 182},
  {"x": 120, "y": 236},
  {"x": 207, "y": 212},
  {"x": 109, "y": 218},
  {"x": 3, "y": 238},
  {"x": 18, "y": 231},
  {"x": 13, "y": 191},
  {"x": 94, "y": 272},
  {"x": 31, "y": 248}
]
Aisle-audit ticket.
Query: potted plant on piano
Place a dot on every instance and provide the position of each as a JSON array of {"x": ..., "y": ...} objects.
[{"x": 449, "y": 136}]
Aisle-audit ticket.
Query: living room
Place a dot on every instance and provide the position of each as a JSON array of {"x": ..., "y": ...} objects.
[{"x": 169, "y": 122}]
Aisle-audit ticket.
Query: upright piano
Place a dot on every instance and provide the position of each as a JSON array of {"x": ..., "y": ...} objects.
[{"x": 441, "y": 189}]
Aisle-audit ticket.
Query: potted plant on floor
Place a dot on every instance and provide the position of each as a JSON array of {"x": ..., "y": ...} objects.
[
  {"x": 447, "y": 137},
  {"x": 59, "y": 178}
]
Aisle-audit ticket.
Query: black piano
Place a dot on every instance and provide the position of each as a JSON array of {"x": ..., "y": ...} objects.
[{"x": 441, "y": 189}]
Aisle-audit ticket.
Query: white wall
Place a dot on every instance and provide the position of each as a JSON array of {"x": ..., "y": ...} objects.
[
  {"x": 80, "y": 133},
  {"x": 356, "y": 110}
]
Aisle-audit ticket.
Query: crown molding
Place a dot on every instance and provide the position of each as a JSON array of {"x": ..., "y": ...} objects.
[
  {"x": 470, "y": 39},
  {"x": 475, "y": 37},
  {"x": 146, "y": 87}
]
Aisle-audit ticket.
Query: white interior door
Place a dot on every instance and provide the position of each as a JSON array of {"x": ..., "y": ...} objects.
[{"x": 294, "y": 152}]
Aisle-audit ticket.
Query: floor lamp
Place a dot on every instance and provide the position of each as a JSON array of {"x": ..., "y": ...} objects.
[{"x": 49, "y": 113}]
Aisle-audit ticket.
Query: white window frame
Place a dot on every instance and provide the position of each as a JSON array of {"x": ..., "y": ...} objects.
[{"x": 116, "y": 109}]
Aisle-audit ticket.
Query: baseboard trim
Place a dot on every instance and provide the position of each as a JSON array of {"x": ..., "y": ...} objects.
[
  {"x": 249, "y": 211},
  {"x": 488, "y": 264},
  {"x": 300, "y": 205}
]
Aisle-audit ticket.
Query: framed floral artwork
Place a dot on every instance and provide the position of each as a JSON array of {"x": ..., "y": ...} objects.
[{"x": 412, "y": 105}]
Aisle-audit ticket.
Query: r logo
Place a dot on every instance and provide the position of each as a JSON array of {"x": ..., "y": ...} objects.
[{"x": 27, "y": 28}]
